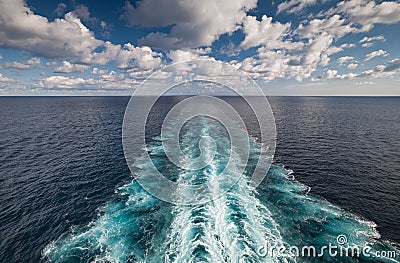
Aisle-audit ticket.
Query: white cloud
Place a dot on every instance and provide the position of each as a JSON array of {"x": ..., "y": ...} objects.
[
  {"x": 21, "y": 28},
  {"x": 82, "y": 12},
  {"x": 264, "y": 32},
  {"x": 320, "y": 34},
  {"x": 126, "y": 56},
  {"x": 107, "y": 81},
  {"x": 6, "y": 79},
  {"x": 111, "y": 76},
  {"x": 368, "y": 44},
  {"x": 185, "y": 55},
  {"x": 309, "y": 84},
  {"x": 138, "y": 74},
  {"x": 298, "y": 62},
  {"x": 194, "y": 23},
  {"x": 344, "y": 59},
  {"x": 333, "y": 74},
  {"x": 380, "y": 71},
  {"x": 352, "y": 66},
  {"x": 336, "y": 26},
  {"x": 51, "y": 63},
  {"x": 181, "y": 55},
  {"x": 295, "y": 6},
  {"x": 103, "y": 25},
  {"x": 98, "y": 71},
  {"x": 376, "y": 53},
  {"x": 60, "y": 9},
  {"x": 64, "y": 82},
  {"x": 65, "y": 38},
  {"x": 364, "y": 83},
  {"x": 269, "y": 66},
  {"x": 33, "y": 62},
  {"x": 330, "y": 74},
  {"x": 316, "y": 48},
  {"x": 347, "y": 45},
  {"x": 367, "y": 12},
  {"x": 274, "y": 64},
  {"x": 393, "y": 65},
  {"x": 189, "y": 29},
  {"x": 68, "y": 67},
  {"x": 370, "y": 39},
  {"x": 140, "y": 57},
  {"x": 229, "y": 49}
]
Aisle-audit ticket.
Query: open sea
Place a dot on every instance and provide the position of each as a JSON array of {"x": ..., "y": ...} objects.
[{"x": 67, "y": 195}]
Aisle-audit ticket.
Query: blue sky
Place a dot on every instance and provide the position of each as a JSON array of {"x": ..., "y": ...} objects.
[{"x": 292, "y": 47}]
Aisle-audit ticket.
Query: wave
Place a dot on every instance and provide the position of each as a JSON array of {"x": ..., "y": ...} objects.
[{"x": 235, "y": 226}]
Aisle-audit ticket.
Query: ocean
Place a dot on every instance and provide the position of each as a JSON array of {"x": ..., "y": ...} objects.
[{"x": 67, "y": 194}]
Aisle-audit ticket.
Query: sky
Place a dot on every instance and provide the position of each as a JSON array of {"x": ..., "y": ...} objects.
[{"x": 289, "y": 47}]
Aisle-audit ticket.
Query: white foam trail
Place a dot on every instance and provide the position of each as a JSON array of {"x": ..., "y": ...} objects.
[{"x": 225, "y": 229}]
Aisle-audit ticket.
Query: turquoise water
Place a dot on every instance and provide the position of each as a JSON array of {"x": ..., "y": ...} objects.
[
  {"x": 67, "y": 194},
  {"x": 236, "y": 226}
]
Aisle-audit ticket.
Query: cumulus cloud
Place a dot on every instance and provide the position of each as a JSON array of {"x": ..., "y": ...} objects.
[
  {"x": 193, "y": 23},
  {"x": 65, "y": 82},
  {"x": 295, "y": 6},
  {"x": 352, "y": 66},
  {"x": 322, "y": 32},
  {"x": 330, "y": 74},
  {"x": 264, "y": 32},
  {"x": 380, "y": 71},
  {"x": 82, "y": 12},
  {"x": 347, "y": 45},
  {"x": 6, "y": 79},
  {"x": 336, "y": 26},
  {"x": 21, "y": 28},
  {"x": 182, "y": 55},
  {"x": 188, "y": 31},
  {"x": 105, "y": 81},
  {"x": 315, "y": 48},
  {"x": 60, "y": 9},
  {"x": 33, "y": 62},
  {"x": 344, "y": 59},
  {"x": 300, "y": 58},
  {"x": 98, "y": 71},
  {"x": 68, "y": 67},
  {"x": 64, "y": 38},
  {"x": 368, "y": 44},
  {"x": 333, "y": 74},
  {"x": 296, "y": 62},
  {"x": 141, "y": 57},
  {"x": 370, "y": 39},
  {"x": 393, "y": 65},
  {"x": 376, "y": 53},
  {"x": 125, "y": 56},
  {"x": 274, "y": 64},
  {"x": 368, "y": 12}
]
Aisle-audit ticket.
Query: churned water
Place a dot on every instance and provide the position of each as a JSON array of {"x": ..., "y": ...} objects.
[{"x": 67, "y": 194}]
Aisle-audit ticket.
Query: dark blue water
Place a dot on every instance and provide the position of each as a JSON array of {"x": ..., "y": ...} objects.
[{"x": 67, "y": 195}]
